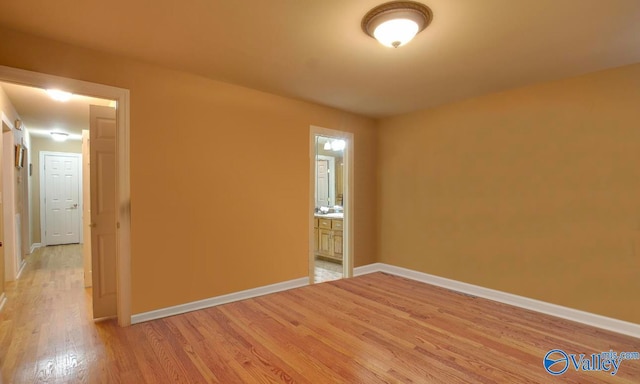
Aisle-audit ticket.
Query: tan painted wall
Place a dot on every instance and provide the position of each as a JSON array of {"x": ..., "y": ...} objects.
[
  {"x": 533, "y": 191},
  {"x": 202, "y": 228},
  {"x": 39, "y": 144}
]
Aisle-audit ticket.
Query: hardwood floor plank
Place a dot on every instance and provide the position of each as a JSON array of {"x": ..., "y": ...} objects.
[
  {"x": 210, "y": 362},
  {"x": 398, "y": 340},
  {"x": 262, "y": 352},
  {"x": 344, "y": 339},
  {"x": 376, "y": 328}
]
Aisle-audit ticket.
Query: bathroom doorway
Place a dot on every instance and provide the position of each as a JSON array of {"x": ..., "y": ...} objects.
[{"x": 330, "y": 254}]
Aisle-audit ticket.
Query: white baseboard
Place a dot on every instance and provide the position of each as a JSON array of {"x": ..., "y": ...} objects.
[
  {"x": 615, "y": 325},
  {"x": 366, "y": 269},
  {"x": 22, "y": 265},
  {"x": 218, "y": 300},
  {"x": 3, "y": 300},
  {"x": 35, "y": 246}
]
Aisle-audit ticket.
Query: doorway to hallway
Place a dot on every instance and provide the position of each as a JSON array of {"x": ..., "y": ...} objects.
[{"x": 121, "y": 202}]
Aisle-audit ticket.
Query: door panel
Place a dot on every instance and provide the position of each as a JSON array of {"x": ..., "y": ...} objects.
[
  {"x": 62, "y": 193},
  {"x": 323, "y": 183},
  {"x": 106, "y": 248},
  {"x": 103, "y": 214}
]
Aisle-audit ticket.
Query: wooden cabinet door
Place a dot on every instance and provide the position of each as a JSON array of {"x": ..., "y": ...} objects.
[
  {"x": 337, "y": 244},
  {"x": 325, "y": 244},
  {"x": 328, "y": 238}
]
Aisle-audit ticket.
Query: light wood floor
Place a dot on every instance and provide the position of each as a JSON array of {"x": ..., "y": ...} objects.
[{"x": 371, "y": 329}]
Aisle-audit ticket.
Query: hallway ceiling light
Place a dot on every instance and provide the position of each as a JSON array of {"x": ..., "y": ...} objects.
[
  {"x": 395, "y": 23},
  {"x": 59, "y": 136},
  {"x": 59, "y": 95}
]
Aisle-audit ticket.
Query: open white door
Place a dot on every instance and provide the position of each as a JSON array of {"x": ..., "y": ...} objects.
[
  {"x": 2, "y": 261},
  {"x": 86, "y": 210},
  {"x": 103, "y": 214}
]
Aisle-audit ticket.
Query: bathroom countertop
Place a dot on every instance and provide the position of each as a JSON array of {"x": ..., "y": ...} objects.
[{"x": 335, "y": 215}]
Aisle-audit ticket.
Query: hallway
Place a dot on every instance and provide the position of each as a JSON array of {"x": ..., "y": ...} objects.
[{"x": 46, "y": 330}]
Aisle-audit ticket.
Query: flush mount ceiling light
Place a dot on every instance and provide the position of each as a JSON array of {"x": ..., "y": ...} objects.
[
  {"x": 59, "y": 136},
  {"x": 59, "y": 95},
  {"x": 395, "y": 23}
]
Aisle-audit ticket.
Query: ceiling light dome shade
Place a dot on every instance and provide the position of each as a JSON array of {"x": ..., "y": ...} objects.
[
  {"x": 394, "y": 24},
  {"x": 59, "y": 95},
  {"x": 59, "y": 136}
]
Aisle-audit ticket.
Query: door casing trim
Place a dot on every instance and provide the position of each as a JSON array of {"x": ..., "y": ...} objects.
[
  {"x": 123, "y": 183},
  {"x": 347, "y": 260}
]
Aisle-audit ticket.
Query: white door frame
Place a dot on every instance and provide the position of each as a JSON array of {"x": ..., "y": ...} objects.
[
  {"x": 348, "y": 175},
  {"x": 12, "y": 266},
  {"x": 123, "y": 187},
  {"x": 43, "y": 189}
]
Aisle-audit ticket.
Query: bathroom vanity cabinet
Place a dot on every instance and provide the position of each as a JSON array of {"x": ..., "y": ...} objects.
[{"x": 328, "y": 237}]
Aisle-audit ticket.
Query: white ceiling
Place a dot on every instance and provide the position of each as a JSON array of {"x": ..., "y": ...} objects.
[
  {"x": 41, "y": 114},
  {"x": 315, "y": 50}
]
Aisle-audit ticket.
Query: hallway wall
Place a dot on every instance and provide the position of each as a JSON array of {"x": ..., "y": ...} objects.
[
  {"x": 39, "y": 144},
  {"x": 11, "y": 200}
]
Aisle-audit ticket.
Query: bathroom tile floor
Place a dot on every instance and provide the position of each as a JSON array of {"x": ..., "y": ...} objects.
[{"x": 327, "y": 271}]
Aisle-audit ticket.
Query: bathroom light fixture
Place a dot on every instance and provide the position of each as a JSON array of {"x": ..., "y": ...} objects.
[
  {"x": 59, "y": 95},
  {"x": 334, "y": 145},
  {"x": 59, "y": 136},
  {"x": 395, "y": 23},
  {"x": 338, "y": 145}
]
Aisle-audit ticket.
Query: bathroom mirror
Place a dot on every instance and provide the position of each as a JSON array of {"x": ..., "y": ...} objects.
[{"x": 329, "y": 172}]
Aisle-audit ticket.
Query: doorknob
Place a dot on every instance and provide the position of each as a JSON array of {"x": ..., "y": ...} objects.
[{"x": 92, "y": 225}]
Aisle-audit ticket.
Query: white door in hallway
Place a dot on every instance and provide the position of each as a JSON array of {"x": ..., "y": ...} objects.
[
  {"x": 62, "y": 198},
  {"x": 102, "y": 153}
]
